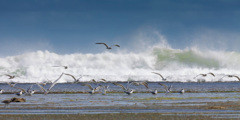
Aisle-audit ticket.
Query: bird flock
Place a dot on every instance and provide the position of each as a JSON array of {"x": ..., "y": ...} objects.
[{"x": 99, "y": 85}]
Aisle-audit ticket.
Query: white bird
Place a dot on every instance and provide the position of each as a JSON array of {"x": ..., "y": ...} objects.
[
  {"x": 53, "y": 84},
  {"x": 231, "y": 76},
  {"x": 105, "y": 89},
  {"x": 164, "y": 79},
  {"x": 29, "y": 91},
  {"x": 11, "y": 84},
  {"x": 154, "y": 92},
  {"x": 204, "y": 75},
  {"x": 129, "y": 92},
  {"x": 10, "y": 76},
  {"x": 93, "y": 90},
  {"x": 1, "y": 91},
  {"x": 181, "y": 91},
  {"x": 26, "y": 92},
  {"x": 137, "y": 83},
  {"x": 126, "y": 90},
  {"x": 109, "y": 47},
  {"x": 19, "y": 93},
  {"x": 167, "y": 88}
]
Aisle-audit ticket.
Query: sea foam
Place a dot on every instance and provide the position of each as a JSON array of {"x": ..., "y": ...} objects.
[{"x": 180, "y": 65}]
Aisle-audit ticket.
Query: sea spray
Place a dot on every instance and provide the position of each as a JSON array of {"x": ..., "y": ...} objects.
[{"x": 175, "y": 64}]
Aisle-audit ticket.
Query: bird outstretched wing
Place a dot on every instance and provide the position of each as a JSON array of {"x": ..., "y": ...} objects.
[
  {"x": 237, "y": 77},
  {"x": 120, "y": 85},
  {"x": 159, "y": 75},
  {"x": 165, "y": 86},
  {"x": 104, "y": 44},
  {"x": 212, "y": 74}
]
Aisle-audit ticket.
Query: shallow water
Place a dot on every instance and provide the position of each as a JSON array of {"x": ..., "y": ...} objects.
[
  {"x": 177, "y": 86},
  {"x": 79, "y": 103}
]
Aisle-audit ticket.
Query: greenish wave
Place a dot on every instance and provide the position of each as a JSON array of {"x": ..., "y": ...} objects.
[{"x": 189, "y": 58}]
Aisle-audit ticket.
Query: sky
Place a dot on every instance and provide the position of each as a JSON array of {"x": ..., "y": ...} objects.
[{"x": 74, "y": 26}]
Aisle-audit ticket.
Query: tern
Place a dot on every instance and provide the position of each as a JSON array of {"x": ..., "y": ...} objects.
[
  {"x": 204, "y": 75},
  {"x": 19, "y": 93},
  {"x": 1, "y": 91},
  {"x": 53, "y": 84},
  {"x": 12, "y": 84},
  {"x": 10, "y": 76},
  {"x": 154, "y": 92},
  {"x": 129, "y": 92},
  {"x": 26, "y": 92},
  {"x": 126, "y": 90},
  {"x": 93, "y": 90},
  {"x": 105, "y": 89},
  {"x": 136, "y": 83},
  {"x": 164, "y": 79},
  {"x": 167, "y": 88},
  {"x": 181, "y": 91},
  {"x": 29, "y": 91},
  {"x": 231, "y": 76},
  {"x": 108, "y": 47}
]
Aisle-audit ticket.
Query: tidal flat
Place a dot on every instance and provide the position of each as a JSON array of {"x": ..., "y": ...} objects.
[{"x": 116, "y": 105}]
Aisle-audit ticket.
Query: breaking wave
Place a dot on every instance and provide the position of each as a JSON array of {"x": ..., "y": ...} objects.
[{"x": 175, "y": 64}]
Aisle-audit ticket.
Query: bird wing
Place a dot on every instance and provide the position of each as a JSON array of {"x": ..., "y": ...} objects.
[
  {"x": 134, "y": 83},
  {"x": 20, "y": 89},
  {"x": 71, "y": 76},
  {"x": 65, "y": 67},
  {"x": 41, "y": 88},
  {"x": 103, "y": 44},
  {"x": 89, "y": 86},
  {"x": 8, "y": 75},
  {"x": 115, "y": 45},
  {"x": 145, "y": 84},
  {"x": 120, "y": 85},
  {"x": 10, "y": 84},
  {"x": 211, "y": 74},
  {"x": 98, "y": 87},
  {"x": 51, "y": 86},
  {"x": 158, "y": 74},
  {"x": 198, "y": 75},
  {"x": 56, "y": 66},
  {"x": 28, "y": 90},
  {"x": 55, "y": 82},
  {"x": 93, "y": 80},
  {"x": 140, "y": 83},
  {"x": 103, "y": 80},
  {"x": 223, "y": 77},
  {"x": 237, "y": 77},
  {"x": 165, "y": 86}
]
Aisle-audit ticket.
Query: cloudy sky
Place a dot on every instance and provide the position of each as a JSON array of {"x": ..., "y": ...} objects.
[{"x": 74, "y": 26}]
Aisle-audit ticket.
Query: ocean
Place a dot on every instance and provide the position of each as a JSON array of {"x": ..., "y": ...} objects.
[{"x": 177, "y": 65}]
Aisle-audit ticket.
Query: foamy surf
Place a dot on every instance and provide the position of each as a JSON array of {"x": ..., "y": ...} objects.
[{"x": 175, "y": 64}]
